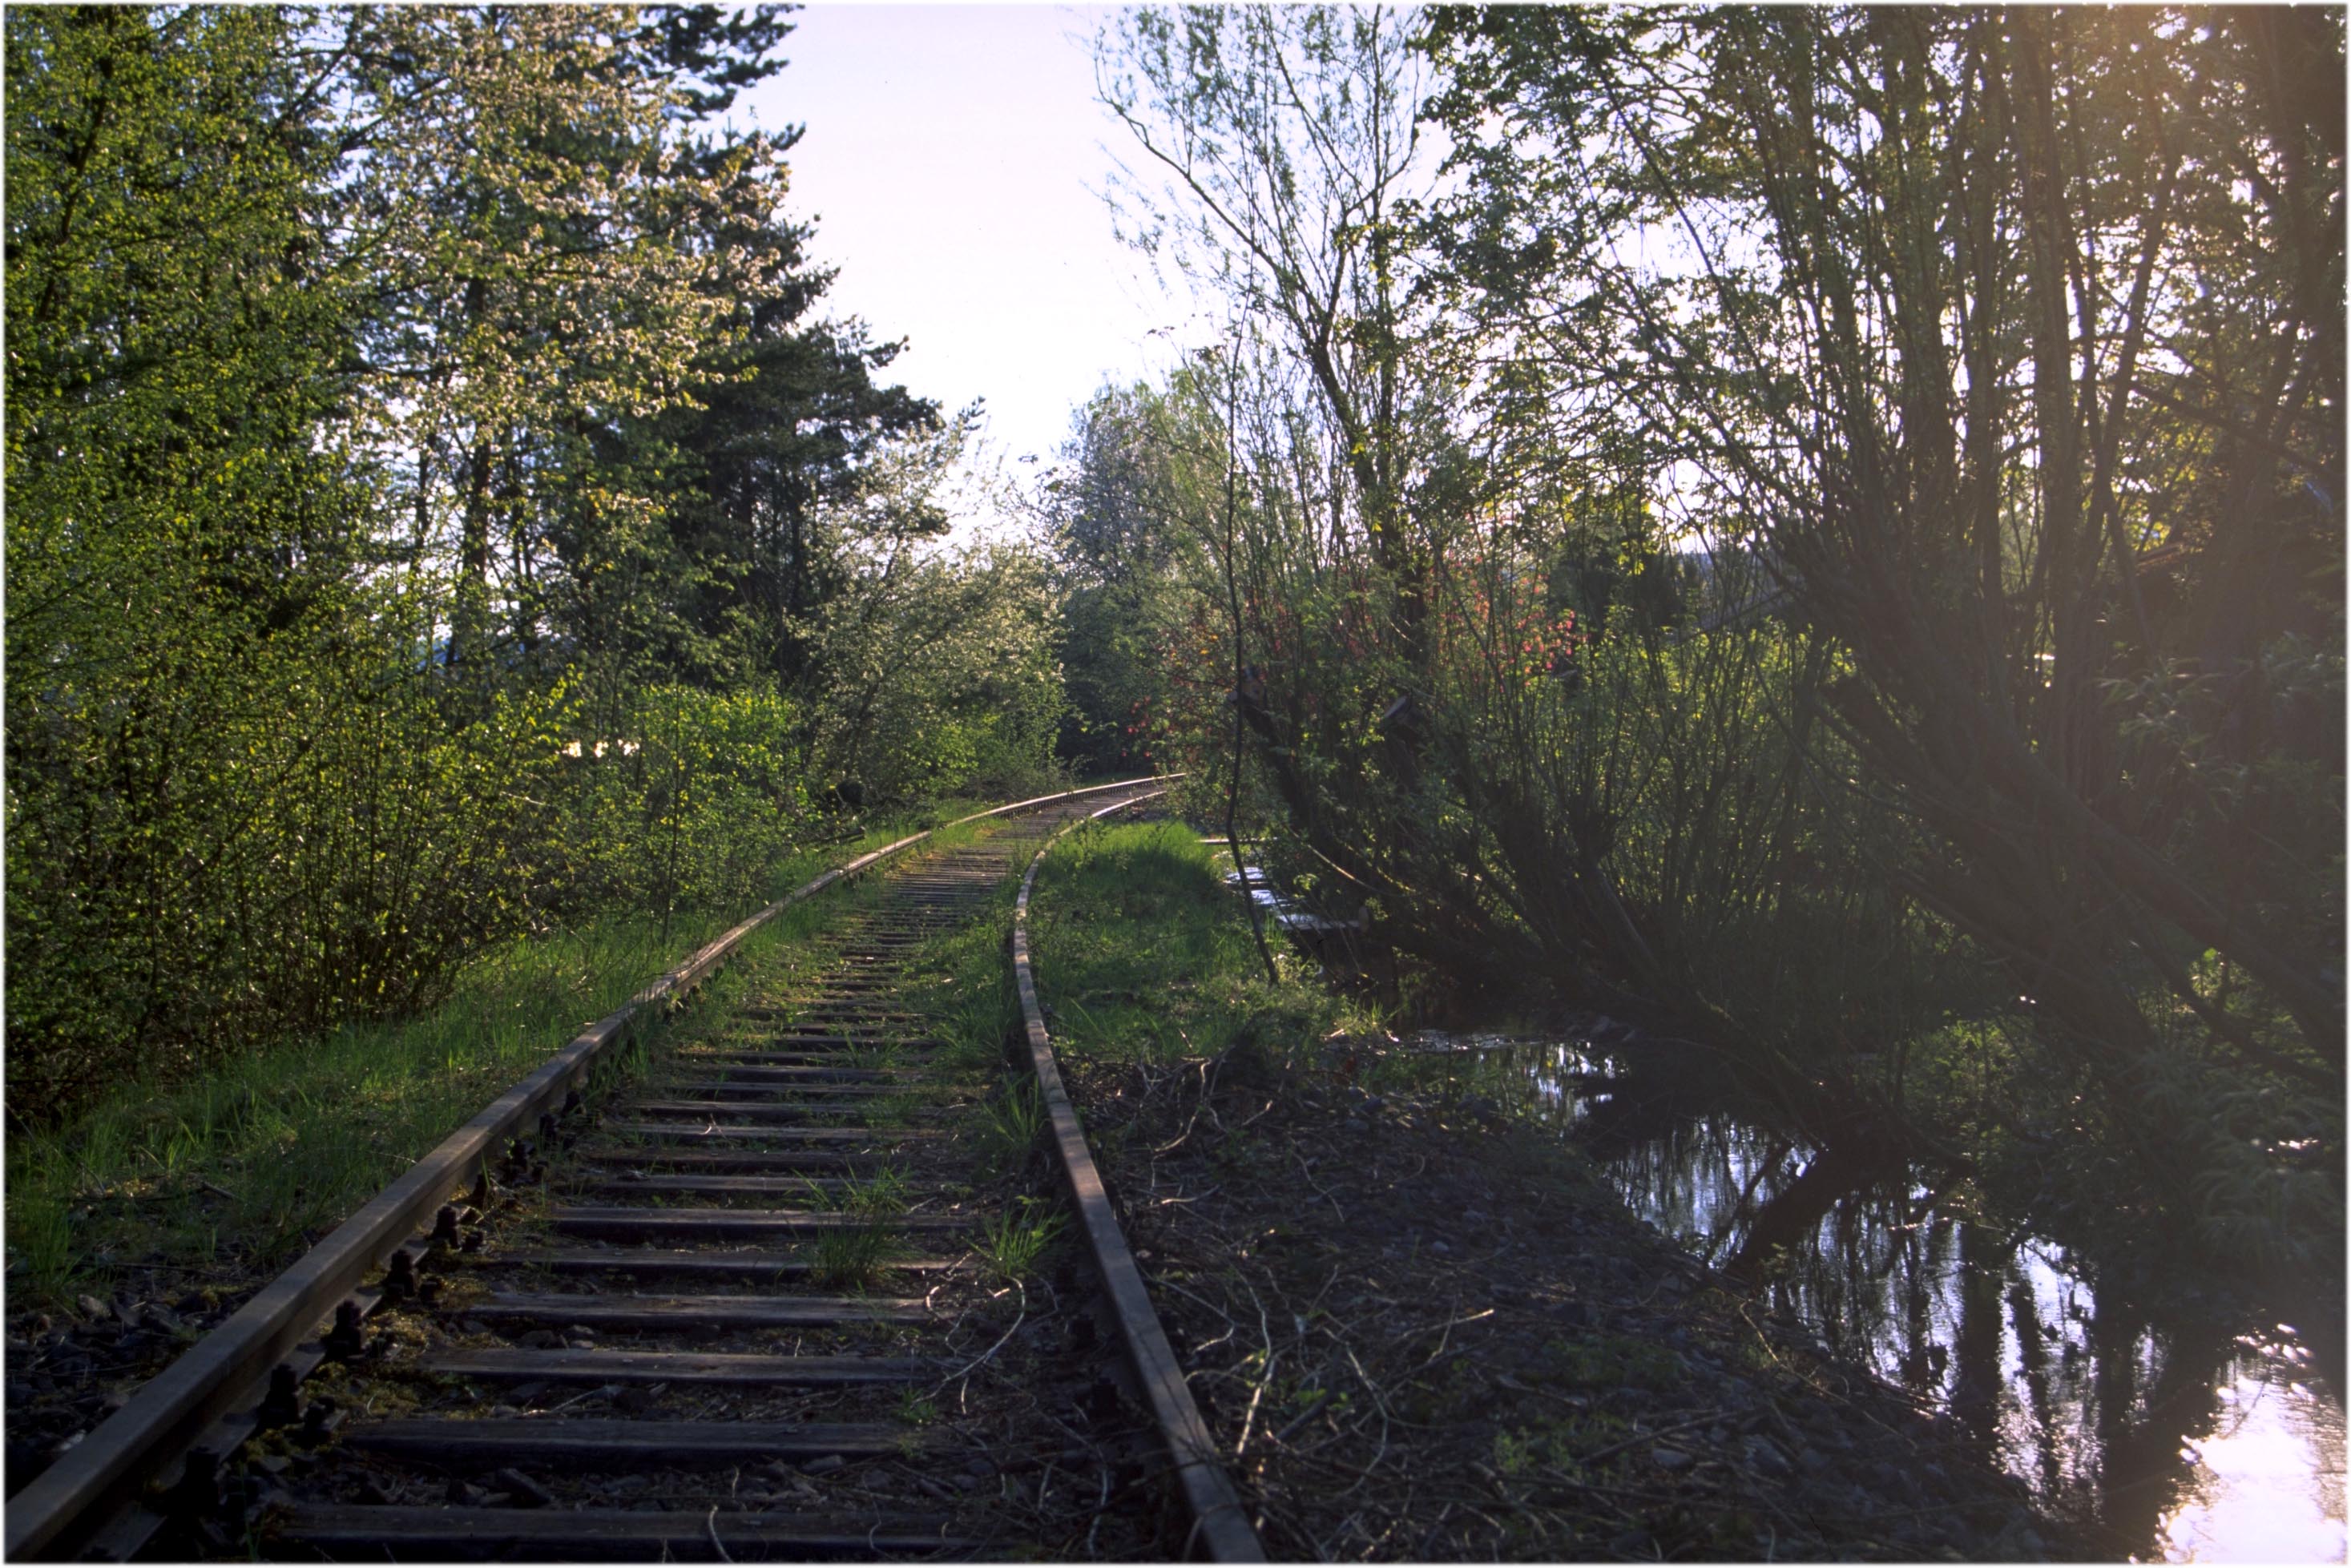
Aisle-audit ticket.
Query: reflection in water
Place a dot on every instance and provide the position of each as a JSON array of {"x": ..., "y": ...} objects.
[
  {"x": 2183, "y": 1442},
  {"x": 1279, "y": 911},
  {"x": 2268, "y": 1427}
]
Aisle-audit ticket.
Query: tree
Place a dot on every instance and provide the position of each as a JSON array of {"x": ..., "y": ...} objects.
[
  {"x": 930, "y": 667},
  {"x": 2001, "y": 333},
  {"x": 522, "y": 188},
  {"x": 1281, "y": 158},
  {"x": 789, "y": 420},
  {"x": 232, "y": 809},
  {"x": 379, "y": 382},
  {"x": 1112, "y": 510}
]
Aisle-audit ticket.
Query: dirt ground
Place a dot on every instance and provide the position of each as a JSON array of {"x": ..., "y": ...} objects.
[
  {"x": 68, "y": 1371},
  {"x": 1424, "y": 1333}
]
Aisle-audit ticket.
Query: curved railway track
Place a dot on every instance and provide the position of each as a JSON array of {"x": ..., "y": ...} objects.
[{"x": 764, "y": 1302}]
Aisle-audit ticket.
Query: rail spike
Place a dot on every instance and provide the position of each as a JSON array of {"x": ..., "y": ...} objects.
[
  {"x": 282, "y": 1406},
  {"x": 399, "y": 1286},
  {"x": 344, "y": 1341}
]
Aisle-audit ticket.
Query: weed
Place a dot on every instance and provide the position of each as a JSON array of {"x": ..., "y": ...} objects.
[
  {"x": 973, "y": 1034},
  {"x": 882, "y": 1195},
  {"x": 43, "y": 1242},
  {"x": 1008, "y": 1126},
  {"x": 1011, "y": 1245},
  {"x": 851, "y": 1258},
  {"x": 873, "y": 1056}
]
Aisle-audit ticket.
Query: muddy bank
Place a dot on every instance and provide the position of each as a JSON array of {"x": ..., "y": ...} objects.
[{"x": 1422, "y": 1330}]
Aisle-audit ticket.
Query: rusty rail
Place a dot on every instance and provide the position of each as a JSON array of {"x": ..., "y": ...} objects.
[
  {"x": 217, "y": 1383},
  {"x": 1220, "y": 1526}
]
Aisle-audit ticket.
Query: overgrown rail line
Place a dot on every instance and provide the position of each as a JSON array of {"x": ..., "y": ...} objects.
[{"x": 759, "y": 1304}]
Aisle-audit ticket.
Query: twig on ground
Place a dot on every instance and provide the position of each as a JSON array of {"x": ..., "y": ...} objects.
[
  {"x": 1102, "y": 1507},
  {"x": 973, "y": 1366},
  {"x": 1256, "y": 1394},
  {"x": 1449, "y": 1325}
]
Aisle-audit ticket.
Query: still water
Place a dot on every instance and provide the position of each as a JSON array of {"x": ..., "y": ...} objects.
[{"x": 2185, "y": 1443}]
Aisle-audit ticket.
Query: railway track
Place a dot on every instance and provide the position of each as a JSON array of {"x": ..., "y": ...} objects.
[{"x": 779, "y": 1296}]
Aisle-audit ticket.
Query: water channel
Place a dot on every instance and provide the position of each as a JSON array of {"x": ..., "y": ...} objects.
[{"x": 2184, "y": 1441}]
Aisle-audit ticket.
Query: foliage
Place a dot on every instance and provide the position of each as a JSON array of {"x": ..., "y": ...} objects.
[
  {"x": 1008, "y": 1126},
  {"x": 516, "y": 187},
  {"x": 689, "y": 805},
  {"x": 1818, "y": 523},
  {"x": 1127, "y": 472},
  {"x": 233, "y": 808},
  {"x": 1990, "y": 476},
  {"x": 424, "y": 462},
  {"x": 1482, "y": 714},
  {"x": 935, "y": 659}
]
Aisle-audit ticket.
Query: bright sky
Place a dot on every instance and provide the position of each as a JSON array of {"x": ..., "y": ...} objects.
[{"x": 953, "y": 164}]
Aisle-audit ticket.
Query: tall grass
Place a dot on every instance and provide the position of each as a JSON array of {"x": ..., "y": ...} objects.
[{"x": 1143, "y": 953}]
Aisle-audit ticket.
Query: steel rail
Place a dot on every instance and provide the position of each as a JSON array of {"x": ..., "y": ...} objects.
[
  {"x": 70, "y": 1501},
  {"x": 1220, "y": 1526}
]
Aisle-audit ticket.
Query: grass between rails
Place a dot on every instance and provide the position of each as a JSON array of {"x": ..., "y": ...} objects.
[
  {"x": 965, "y": 985},
  {"x": 213, "y": 1181}
]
